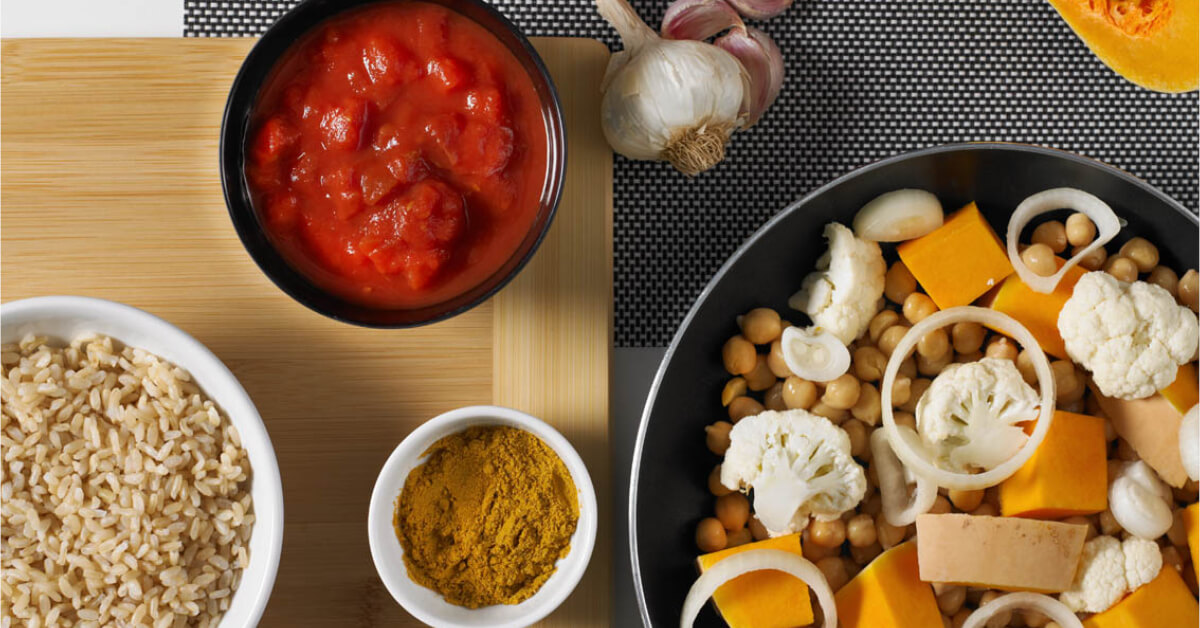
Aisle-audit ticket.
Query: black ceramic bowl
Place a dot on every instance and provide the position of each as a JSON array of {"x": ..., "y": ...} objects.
[
  {"x": 239, "y": 109},
  {"x": 668, "y": 492}
]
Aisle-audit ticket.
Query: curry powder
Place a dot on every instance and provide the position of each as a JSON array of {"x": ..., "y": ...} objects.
[{"x": 485, "y": 518}]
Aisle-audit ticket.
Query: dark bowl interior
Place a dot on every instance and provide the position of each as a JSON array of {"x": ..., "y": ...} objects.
[
  {"x": 234, "y": 135},
  {"x": 669, "y": 494}
]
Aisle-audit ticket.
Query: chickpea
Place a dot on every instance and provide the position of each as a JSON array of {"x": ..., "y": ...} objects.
[
  {"x": 908, "y": 367},
  {"x": 743, "y": 407},
  {"x": 872, "y": 506},
  {"x": 1051, "y": 233},
  {"x": 710, "y": 535},
  {"x": 827, "y": 533},
  {"x": 888, "y": 534},
  {"x": 1189, "y": 289},
  {"x": 799, "y": 393},
  {"x": 951, "y": 599},
  {"x": 773, "y": 398},
  {"x": 901, "y": 391},
  {"x": 1122, "y": 268},
  {"x": 1164, "y": 278},
  {"x": 761, "y": 325},
  {"x": 716, "y": 436},
  {"x": 834, "y": 571},
  {"x": 880, "y": 323},
  {"x": 868, "y": 409},
  {"x": 866, "y": 554},
  {"x": 738, "y": 537},
  {"x": 760, "y": 377},
  {"x": 890, "y": 338},
  {"x": 999, "y": 620},
  {"x": 733, "y": 510},
  {"x": 1025, "y": 366},
  {"x": 1068, "y": 386},
  {"x": 960, "y": 618},
  {"x": 940, "y": 506},
  {"x": 899, "y": 283},
  {"x": 934, "y": 345},
  {"x": 738, "y": 355},
  {"x": 1003, "y": 348},
  {"x": 1092, "y": 261},
  {"x": 775, "y": 360},
  {"x": 869, "y": 363},
  {"x": 814, "y": 551},
  {"x": 966, "y": 501},
  {"x": 734, "y": 388},
  {"x": 931, "y": 367},
  {"x": 1081, "y": 520},
  {"x": 860, "y": 530},
  {"x": 714, "y": 483},
  {"x": 1039, "y": 258},
  {"x": 841, "y": 393},
  {"x": 835, "y": 415},
  {"x": 917, "y": 307},
  {"x": 857, "y": 431},
  {"x": 905, "y": 419},
  {"x": 986, "y": 510},
  {"x": 1034, "y": 619},
  {"x": 758, "y": 530},
  {"x": 1080, "y": 229},
  {"x": 918, "y": 388},
  {"x": 1141, "y": 252},
  {"x": 967, "y": 336}
]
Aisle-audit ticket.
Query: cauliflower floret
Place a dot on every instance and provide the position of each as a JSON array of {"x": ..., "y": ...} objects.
[
  {"x": 845, "y": 291},
  {"x": 1131, "y": 336},
  {"x": 798, "y": 464},
  {"x": 1108, "y": 569},
  {"x": 968, "y": 417}
]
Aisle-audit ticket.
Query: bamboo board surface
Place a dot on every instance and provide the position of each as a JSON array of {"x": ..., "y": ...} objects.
[{"x": 109, "y": 188}]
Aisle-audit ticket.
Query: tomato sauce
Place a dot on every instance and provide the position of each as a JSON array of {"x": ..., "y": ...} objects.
[{"x": 397, "y": 155}]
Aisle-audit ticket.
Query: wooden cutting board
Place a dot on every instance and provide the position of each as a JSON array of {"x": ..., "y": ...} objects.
[{"x": 109, "y": 188}]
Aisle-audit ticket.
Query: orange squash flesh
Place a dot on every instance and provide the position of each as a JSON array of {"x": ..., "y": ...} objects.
[
  {"x": 762, "y": 599},
  {"x": 959, "y": 261},
  {"x": 1152, "y": 43},
  {"x": 1036, "y": 311},
  {"x": 1164, "y": 602},
  {"x": 1066, "y": 476}
]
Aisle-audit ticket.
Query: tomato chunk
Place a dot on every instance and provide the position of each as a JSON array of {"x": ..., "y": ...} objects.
[{"x": 342, "y": 125}]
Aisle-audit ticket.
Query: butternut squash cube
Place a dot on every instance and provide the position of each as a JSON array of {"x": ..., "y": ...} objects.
[
  {"x": 889, "y": 592},
  {"x": 999, "y": 552},
  {"x": 1191, "y": 517},
  {"x": 1183, "y": 393},
  {"x": 1164, "y": 601},
  {"x": 1036, "y": 311},
  {"x": 1151, "y": 427},
  {"x": 958, "y": 261},
  {"x": 1066, "y": 476},
  {"x": 762, "y": 599}
]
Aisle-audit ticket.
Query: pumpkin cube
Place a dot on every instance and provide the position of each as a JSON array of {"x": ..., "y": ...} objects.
[
  {"x": 1066, "y": 476},
  {"x": 1164, "y": 601},
  {"x": 762, "y": 599},
  {"x": 1183, "y": 392},
  {"x": 889, "y": 592},
  {"x": 1191, "y": 518},
  {"x": 1151, "y": 427},
  {"x": 1006, "y": 553},
  {"x": 959, "y": 261},
  {"x": 1036, "y": 311}
]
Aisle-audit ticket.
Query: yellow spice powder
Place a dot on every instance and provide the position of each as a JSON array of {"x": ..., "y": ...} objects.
[{"x": 484, "y": 519}]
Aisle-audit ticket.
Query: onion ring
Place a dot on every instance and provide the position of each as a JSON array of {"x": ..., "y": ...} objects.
[
  {"x": 814, "y": 354},
  {"x": 757, "y": 560},
  {"x": 1189, "y": 442},
  {"x": 1044, "y": 604},
  {"x": 1107, "y": 227},
  {"x": 899, "y": 508},
  {"x": 906, "y": 443}
]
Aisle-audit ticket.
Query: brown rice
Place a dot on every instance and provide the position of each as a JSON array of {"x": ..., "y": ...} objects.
[{"x": 124, "y": 491}]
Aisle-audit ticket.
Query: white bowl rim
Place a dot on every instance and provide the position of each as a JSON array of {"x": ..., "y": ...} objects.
[
  {"x": 385, "y": 546},
  {"x": 265, "y": 467}
]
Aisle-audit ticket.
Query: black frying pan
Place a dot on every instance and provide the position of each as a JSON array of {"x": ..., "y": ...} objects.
[{"x": 668, "y": 492}]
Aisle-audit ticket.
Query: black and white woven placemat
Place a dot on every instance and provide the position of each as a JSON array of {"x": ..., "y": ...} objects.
[{"x": 866, "y": 79}]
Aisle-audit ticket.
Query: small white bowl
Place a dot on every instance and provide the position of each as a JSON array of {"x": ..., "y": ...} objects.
[
  {"x": 428, "y": 605},
  {"x": 65, "y": 318}
]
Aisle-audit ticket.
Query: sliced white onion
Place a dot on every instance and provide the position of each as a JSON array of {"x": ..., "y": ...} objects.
[
  {"x": 899, "y": 508},
  {"x": 1189, "y": 442},
  {"x": 1107, "y": 226},
  {"x": 898, "y": 215},
  {"x": 757, "y": 560},
  {"x": 814, "y": 354},
  {"x": 1140, "y": 501},
  {"x": 907, "y": 444},
  {"x": 1044, "y": 604}
]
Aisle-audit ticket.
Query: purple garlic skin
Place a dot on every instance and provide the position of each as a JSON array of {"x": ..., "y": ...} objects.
[
  {"x": 698, "y": 19},
  {"x": 763, "y": 62},
  {"x": 760, "y": 9}
]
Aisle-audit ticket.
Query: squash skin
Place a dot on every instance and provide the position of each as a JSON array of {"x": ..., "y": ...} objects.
[{"x": 1152, "y": 43}]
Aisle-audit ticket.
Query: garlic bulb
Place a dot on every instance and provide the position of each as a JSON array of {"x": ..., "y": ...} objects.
[
  {"x": 763, "y": 62},
  {"x": 698, "y": 19},
  {"x": 760, "y": 9},
  {"x": 669, "y": 100}
]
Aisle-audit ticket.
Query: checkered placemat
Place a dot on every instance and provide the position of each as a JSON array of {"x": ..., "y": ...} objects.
[{"x": 866, "y": 79}]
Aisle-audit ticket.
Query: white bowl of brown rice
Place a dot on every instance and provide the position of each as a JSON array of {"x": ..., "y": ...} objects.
[{"x": 138, "y": 486}]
